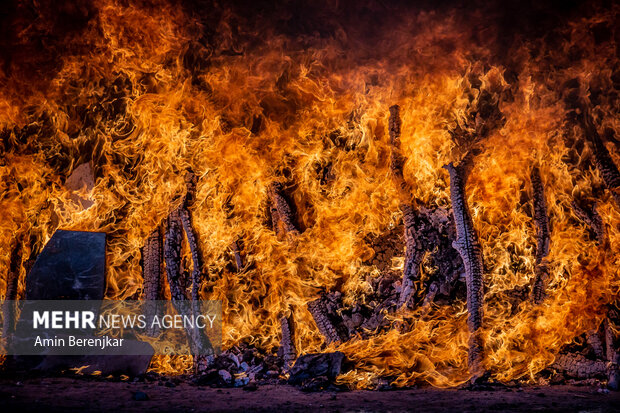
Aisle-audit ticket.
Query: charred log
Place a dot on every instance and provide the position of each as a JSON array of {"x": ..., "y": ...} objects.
[
  {"x": 611, "y": 351},
  {"x": 186, "y": 221},
  {"x": 275, "y": 216},
  {"x": 443, "y": 256},
  {"x": 425, "y": 230},
  {"x": 414, "y": 254},
  {"x": 365, "y": 319},
  {"x": 607, "y": 168},
  {"x": 543, "y": 237},
  {"x": 540, "y": 216},
  {"x": 199, "y": 343},
  {"x": 12, "y": 282},
  {"x": 15, "y": 265},
  {"x": 422, "y": 231},
  {"x": 329, "y": 323},
  {"x": 172, "y": 256},
  {"x": 433, "y": 289},
  {"x": 281, "y": 213},
  {"x": 152, "y": 273},
  {"x": 602, "y": 159},
  {"x": 191, "y": 182},
  {"x": 428, "y": 236},
  {"x": 152, "y": 266},
  {"x": 287, "y": 346},
  {"x": 35, "y": 249},
  {"x": 593, "y": 220},
  {"x": 237, "y": 254},
  {"x": 181, "y": 220},
  {"x": 316, "y": 371},
  {"x": 468, "y": 246},
  {"x": 595, "y": 343},
  {"x": 396, "y": 158},
  {"x": 578, "y": 366}
]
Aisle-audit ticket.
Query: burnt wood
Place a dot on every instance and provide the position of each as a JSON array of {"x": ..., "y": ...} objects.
[
  {"x": 237, "y": 254},
  {"x": 12, "y": 282},
  {"x": 172, "y": 255},
  {"x": 287, "y": 346},
  {"x": 611, "y": 350},
  {"x": 329, "y": 323},
  {"x": 468, "y": 246},
  {"x": 152, "y": 266},
  {"x": 186, "y": 222},
  {"x": 543, "y": 237},
  {"x": 425, "y": 230},
  {"x": 596, "y": 344},
  {"x": 281, "y": 213},
  {"x": 428, "y": 235},
  {"x": 397, "y": 160},
  {"x": 414, "y": 253},
  {"x": 590, "y": 216},
  {"x": 312, "y": 366},
  {"x": 602, "y": 158},
  {"x": 578, "y": 366},
  {"x": 15, "y": 264}
]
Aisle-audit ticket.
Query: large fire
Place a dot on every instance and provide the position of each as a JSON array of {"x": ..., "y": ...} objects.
[{"x": 145, "y": 91}]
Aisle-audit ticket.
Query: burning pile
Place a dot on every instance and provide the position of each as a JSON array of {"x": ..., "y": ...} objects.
[{"x": 418, "y": 189}]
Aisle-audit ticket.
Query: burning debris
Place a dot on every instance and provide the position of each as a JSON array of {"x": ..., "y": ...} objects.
[
  {"x": 425, "y": 231},
  {"x": 543, "y": 235},
  {"x": 152, "y": 266},
  {"x": 316, "y": 371},
  {"x": 287, "y": 350},
  {"x": 282, "y": 219},
  {"x": 578, "y": 366},
  {"x": 393, "y": 169},
  {"x": 593, "y": 220},
  {"x": 324, "y": 310},
  {"x": 602, "y": 158},
  {"x": 241, "y": 366}
]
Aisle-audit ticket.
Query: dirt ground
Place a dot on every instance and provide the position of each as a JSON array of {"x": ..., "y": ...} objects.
[{"x": 70, "y": 394}]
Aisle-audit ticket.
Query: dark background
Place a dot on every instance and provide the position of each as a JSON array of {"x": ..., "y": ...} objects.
[{"x": 34, "y": 35}]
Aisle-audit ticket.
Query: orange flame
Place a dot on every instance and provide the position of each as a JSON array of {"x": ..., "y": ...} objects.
[{"x": 143, "y": 97}]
